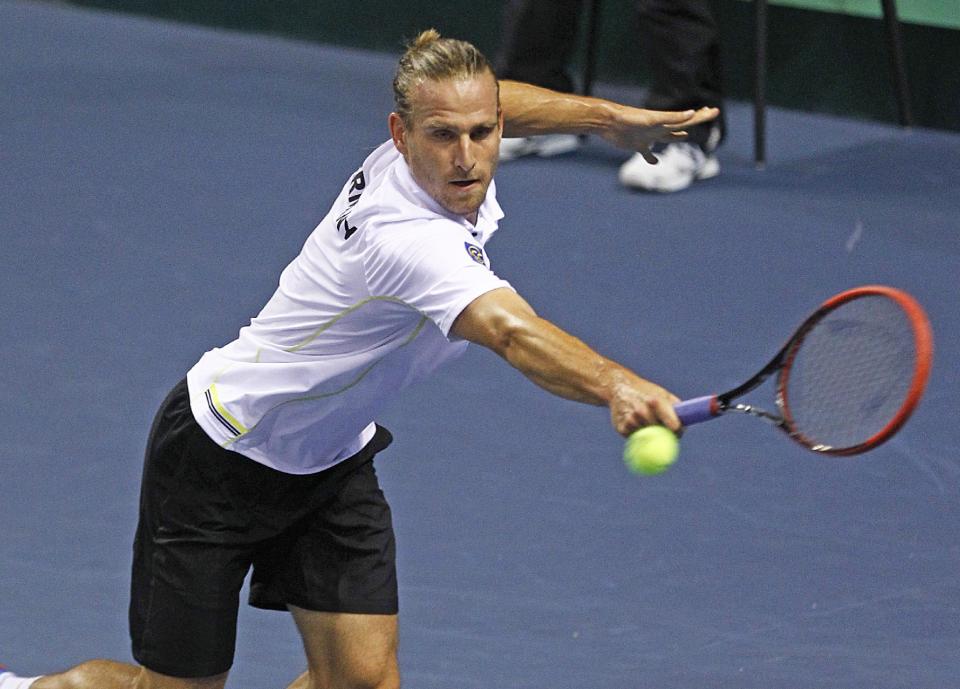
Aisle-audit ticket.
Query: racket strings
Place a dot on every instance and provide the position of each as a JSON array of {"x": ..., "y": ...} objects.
[{"x": 851, "y": 374}]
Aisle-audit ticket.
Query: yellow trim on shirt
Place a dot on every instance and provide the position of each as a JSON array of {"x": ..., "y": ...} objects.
[
  {"x": 215, "y": 397},
  {"x": 329, "y": 324},
  {"x": 333, "y": 393}
]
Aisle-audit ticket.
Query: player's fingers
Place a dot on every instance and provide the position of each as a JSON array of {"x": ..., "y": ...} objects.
[
  {"x": 697, "y": 117},
  {"x": 667, "y": 135},
  {"x": 669, "y": 118},
  {"x": 627, "y": 420},
  {"x": 664, "y": 413},
  {"x": 704, "y": 115},
  {"x": 623, "y": 422},
  {"x": 627, "y": 427},
  {"x": 647, "y": 411}
]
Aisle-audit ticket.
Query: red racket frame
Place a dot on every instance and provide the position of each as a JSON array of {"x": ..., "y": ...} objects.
[{"x": 923, "y": 345}]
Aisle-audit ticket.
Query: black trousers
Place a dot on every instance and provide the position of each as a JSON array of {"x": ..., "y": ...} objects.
[{"x": 679, "y": 39}]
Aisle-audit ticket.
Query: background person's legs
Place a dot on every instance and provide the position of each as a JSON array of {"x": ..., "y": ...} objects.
[
  {"x": 681, "y": 42},
  {"x": 538, "y": 39}
]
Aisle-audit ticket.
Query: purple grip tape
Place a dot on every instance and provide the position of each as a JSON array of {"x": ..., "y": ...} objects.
[{"x": 696, "y": 410}]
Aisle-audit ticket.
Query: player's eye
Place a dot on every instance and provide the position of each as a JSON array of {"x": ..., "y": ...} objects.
[{"x": 481, "y": 133}]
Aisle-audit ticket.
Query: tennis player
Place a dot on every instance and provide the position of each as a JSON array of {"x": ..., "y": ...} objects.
[{"x": 262, "y": 457}]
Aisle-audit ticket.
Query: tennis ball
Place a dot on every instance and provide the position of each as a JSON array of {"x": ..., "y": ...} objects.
[{"x": 651, "y": 450}]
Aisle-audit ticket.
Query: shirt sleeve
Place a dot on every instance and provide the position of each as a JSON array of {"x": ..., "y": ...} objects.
[{"x": 434, "y": 266}]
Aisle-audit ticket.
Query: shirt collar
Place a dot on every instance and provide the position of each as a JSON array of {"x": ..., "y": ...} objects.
[{"x": 488, "y": 215}]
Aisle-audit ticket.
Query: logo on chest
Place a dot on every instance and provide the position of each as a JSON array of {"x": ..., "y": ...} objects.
[{"x": 476, "y": 253}]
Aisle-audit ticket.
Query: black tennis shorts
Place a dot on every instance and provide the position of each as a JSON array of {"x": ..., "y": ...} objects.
[{"x": 321, "y": 542}]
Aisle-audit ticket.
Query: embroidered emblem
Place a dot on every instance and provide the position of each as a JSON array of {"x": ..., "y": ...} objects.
[{"x": 476, "y": 253}]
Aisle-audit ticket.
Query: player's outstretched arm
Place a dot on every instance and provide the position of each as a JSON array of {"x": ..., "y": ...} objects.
[
  {"x": 562, "y": 364},
  {"x": 530, "y": 110}
]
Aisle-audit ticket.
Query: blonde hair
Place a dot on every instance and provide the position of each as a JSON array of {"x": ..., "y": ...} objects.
[{"x": 429, "y": 57}]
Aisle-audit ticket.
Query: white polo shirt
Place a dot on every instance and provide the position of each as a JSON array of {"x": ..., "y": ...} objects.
[{"x": 363, "y": 311}]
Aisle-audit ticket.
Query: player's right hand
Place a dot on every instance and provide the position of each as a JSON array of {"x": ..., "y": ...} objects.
[{"x": 638, "y": 402}]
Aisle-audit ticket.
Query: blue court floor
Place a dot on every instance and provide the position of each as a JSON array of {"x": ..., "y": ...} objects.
[{"x": 157, "y": 177}]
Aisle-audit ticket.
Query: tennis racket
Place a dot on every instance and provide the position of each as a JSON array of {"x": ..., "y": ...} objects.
[{"x": 848, "y": 378}]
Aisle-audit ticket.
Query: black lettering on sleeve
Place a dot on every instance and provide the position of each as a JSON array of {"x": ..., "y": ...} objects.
[{"x": 357, "y": 185}]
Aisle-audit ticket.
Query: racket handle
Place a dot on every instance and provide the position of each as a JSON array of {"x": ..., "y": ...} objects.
[{"x": 697, "y": 409}]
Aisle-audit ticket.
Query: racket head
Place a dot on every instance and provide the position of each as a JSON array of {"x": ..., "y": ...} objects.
[{"x": 854, "y": 372}]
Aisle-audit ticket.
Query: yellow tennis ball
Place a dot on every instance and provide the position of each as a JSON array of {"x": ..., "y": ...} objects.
[{"x": 651, "y": 450}]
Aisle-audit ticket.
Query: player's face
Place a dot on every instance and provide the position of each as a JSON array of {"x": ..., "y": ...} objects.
[{"x": 452, "y": 140}]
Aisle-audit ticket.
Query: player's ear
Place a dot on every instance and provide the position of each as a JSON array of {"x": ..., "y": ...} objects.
[{"x": 398, "y": 132}]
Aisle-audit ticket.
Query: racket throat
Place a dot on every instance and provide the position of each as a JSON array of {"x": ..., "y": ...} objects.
[
  {"x": 776, "y": 420},
  {"x": 780, "y": 423}
]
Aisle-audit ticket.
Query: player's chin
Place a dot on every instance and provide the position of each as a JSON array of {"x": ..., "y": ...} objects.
[{"x": 466, "y": 199}]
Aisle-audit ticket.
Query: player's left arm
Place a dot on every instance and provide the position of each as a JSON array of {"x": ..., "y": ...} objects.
[
  {"x": 504, "y": 322},
  {"x": 530, "y": 110}
]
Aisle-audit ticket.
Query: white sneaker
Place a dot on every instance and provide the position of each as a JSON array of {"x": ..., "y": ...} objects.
[
  {"x": 544, "y": 145},
  {"x": 8, "y": 680},
  {"x": 681, "y": 164}
]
